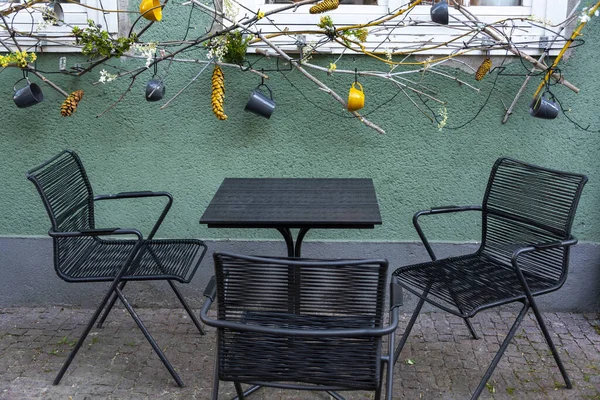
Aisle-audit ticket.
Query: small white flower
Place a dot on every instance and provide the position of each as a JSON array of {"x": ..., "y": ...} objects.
[
  {"x": 106, "y": 77},
  {"x": 388, "y": 54},
  {"x": 308, "y": 51},
  {"x": 44, "y": 24},
  {"x": 444, "y": 115},
  {"x": 217, "y": 48},
  {"x": 148, "y": 50},
  {"x": 231, "y": 10}
]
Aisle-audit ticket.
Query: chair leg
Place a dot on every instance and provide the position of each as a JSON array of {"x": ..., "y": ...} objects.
[
  {"x": 378, "y": 390},
  {"x": 470, "y": 328},
  {"x": 335, "y": 395},
  {"x": 149, "y": 337},
  {"x": 500, "y": 352},
  {"x": 180, "y": 297},
  {"x": 390, "y": 368},
  {"x": 187, "y": 308},
  {"x": 239, "y": 391},
  {"x": 111, "y": 303},
  {"x": 561, "y": 367},
  {"x": 248, "y": 392},
  {"x": 215, "y": 391},
  {"x": 86, "y": 331},
  {"x": 466, "y": 320},
  {"x": 409, "y": 327},
  {"x": 381, "y": 377}
]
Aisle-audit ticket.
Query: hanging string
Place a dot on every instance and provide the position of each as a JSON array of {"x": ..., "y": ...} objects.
[
  {"x": 189, "y": 23},
  {"x": 155, "y": 65}
]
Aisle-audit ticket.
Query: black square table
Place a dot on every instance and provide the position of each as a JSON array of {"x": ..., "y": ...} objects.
[{"x": 288, "y": 203}]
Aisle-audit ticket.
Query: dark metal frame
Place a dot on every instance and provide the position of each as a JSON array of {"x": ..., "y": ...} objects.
[
  {"x": 127, "y": 272},
  {"x": 526, "y": 297},
  {"x": 305, "y": 332},
  {"x": 293, "y": 250}
]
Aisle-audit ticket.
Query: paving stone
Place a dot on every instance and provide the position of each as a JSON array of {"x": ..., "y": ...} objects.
[{"x": 116, "y": 361}]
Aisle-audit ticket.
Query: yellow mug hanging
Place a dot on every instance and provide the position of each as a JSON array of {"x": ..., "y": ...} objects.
[
  {"x": 151, "y": 10},
  {"x": 356, "y": 98}
]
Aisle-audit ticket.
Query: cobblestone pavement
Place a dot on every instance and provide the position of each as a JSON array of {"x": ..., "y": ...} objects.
[{"x": 440, "y": 360}]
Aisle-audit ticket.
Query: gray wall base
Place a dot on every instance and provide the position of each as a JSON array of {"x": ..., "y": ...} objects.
[{"x": 28, "y": 278}]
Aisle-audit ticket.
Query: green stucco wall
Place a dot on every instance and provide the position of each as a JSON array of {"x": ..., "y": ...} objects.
[{"x": 184, "y": 149}]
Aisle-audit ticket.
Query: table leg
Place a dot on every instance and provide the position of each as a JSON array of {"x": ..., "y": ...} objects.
[
  {"x": 289, "y": 240},
  {"x": 293, "y": 251},
  {"x": 295, "y": 275},
  {"x": 299, "y": 239}
]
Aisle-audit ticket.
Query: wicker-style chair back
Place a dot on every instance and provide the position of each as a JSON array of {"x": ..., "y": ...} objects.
[
  {"x": 310, "y": 294},
  {"x": 526, "y": 204},
  {"x": 303, "y": 324},
  {"x": 69, "y": 200},
  {"x": 66, "y": 192}
]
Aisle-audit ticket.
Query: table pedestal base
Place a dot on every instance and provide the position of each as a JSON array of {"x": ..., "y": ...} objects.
[{"x": 293, "y": 251}]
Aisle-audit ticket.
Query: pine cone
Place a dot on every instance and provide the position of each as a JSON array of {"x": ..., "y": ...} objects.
[
  {"x": 483, "y": 69},
  {"x": 323, "y": 6},
  {"x": 69, "y": 106},
  {"x": 218, "y": 93}
]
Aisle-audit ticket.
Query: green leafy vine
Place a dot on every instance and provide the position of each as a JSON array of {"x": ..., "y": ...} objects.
[{"x": 98, "y": 43}]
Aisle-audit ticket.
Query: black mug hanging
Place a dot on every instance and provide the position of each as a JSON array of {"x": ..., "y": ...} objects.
[
  {"x": 155, "y": 88},
  {"x": 28, "y": 95},
  {"x": 544, "y": 108},
  {"x": 259, "y": 103}
]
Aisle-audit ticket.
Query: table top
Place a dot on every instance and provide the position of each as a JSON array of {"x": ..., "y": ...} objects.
[{"x": 293, "y": 203}]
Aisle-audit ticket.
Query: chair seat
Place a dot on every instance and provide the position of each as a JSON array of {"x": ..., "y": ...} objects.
[
  {"x": 467, "y": 284},
  {"x": 101, "y": 260},
  {"x": 349, "y": 363}
]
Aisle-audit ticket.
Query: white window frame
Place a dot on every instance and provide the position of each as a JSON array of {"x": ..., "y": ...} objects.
[
  {"x": 543, "y": 10},
  {"x": 74, "y": 15}
]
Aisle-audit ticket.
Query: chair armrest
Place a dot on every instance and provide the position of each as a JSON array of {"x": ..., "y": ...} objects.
[
  {"x": 210, "y": 293},
  {"x": 129, "y": 195},
  {"x": 437, "y": 210},
  {"x": 533, "y": 248},
  {"x": 353, "y": 332},
  {"x": 98, "y": 232},
  {"x": 541, "y": 246},
  {"x": 211, "y": 289},
  {"x": 395, "y": 293},
  {"x": 139, "y": 194},
  {"x": 315, "y": 333},
  {"x": 448, "y": 209},
  {"x": 559, "y": 243}
]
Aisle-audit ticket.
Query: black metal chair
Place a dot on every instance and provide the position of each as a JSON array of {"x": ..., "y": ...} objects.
[
  {"x": 301, "y": 324},
  {"x": 84, "y": 253},
  {"x": 527, "y": 213}
]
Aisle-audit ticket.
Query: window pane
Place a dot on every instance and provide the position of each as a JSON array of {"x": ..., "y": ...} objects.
[
  {"x": 60, "y": 1},
  {"x": 426, "y": 2},
  {"x": 361, "y": 2},
  {"x": 493, "y": 2},
  {"x": 482, "y": 2}
]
